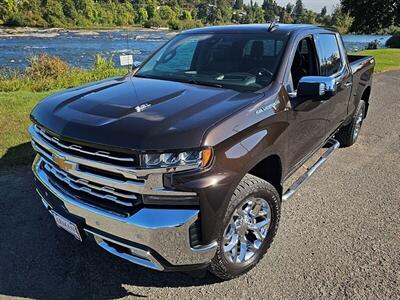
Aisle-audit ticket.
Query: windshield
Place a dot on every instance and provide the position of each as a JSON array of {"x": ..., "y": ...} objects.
[{"x": 242, "y": 62}]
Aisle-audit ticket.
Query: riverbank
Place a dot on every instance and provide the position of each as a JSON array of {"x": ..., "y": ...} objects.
[{"x": 38, "y": 32}]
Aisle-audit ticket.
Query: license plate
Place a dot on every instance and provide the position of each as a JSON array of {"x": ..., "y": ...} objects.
[{"x": 67, "y": 225}]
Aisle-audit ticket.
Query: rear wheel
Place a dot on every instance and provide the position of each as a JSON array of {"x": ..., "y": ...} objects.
[
  {"x": 250, "y": 224},
  {"x": 348, "y": 135}
]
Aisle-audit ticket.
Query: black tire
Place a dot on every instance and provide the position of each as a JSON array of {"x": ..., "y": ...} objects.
[
  {"x": 250, "y": 186},
  {"x": 349, "y": 134}
]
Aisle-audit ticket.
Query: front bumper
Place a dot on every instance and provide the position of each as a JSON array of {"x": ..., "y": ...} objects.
[{"x": 156, "y": 238}]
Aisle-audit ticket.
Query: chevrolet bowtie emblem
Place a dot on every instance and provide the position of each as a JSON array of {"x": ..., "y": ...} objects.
[{"x": 62, "y": 163}]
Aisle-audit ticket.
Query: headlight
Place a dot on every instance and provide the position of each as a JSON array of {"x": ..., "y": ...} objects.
[{"x": 186, "y": 159}]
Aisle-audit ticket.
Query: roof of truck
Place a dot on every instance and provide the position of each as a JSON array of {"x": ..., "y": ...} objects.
[{"x": 255, "y": 28}]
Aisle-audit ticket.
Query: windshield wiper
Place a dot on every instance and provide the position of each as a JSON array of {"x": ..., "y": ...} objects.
[
  {"x": 206, "y": 83},
  {"x": 179, "y": 79}
]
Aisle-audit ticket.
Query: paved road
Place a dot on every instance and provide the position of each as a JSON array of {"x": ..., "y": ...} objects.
[{"x": 339, "y": 236}]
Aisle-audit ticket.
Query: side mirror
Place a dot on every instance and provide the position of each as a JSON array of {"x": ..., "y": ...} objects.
[{"x": 317, "y": 88}]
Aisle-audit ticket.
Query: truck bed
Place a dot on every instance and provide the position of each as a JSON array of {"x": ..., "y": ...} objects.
[{"x": 359, "y": 62}]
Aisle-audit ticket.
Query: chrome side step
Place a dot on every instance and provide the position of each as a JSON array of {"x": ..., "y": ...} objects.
[{"x": 310, "y": 171}]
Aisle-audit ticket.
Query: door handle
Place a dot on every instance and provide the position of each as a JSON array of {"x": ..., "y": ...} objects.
[{"x": 348, "y": 84}]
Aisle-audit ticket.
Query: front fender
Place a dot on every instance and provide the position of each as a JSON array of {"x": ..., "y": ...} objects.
[{"x": 234, "y": 158}]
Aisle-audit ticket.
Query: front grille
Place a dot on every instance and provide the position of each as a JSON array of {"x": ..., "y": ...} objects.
[
  {"x": 101, "y": 179},
  {"x": 105, "y": 197},
  {"x": 118, "y": 159}
]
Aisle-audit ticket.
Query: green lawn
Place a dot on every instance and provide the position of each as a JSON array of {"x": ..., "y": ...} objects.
[
  {"x": 14, "y": 121},
  {"x": 386, "y": 59},
  {"x": 15, "y": 107}
]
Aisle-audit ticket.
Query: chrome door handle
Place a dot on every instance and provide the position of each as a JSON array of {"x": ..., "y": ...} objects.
[{"x": 348, "y": 84}]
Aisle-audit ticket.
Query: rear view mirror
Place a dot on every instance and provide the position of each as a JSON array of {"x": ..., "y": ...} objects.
[{"x": 317, "y": 88}]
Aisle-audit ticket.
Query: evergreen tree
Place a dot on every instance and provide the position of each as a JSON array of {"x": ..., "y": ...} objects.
[
  {"x": 298, "y": 9},
  {"x": 238, "y": 4}
]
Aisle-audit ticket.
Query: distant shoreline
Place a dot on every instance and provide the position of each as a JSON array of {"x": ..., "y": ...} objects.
[{"x": 54, "y": 32}]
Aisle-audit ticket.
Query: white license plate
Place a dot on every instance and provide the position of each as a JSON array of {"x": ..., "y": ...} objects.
[{"x": 67, "y": 225}]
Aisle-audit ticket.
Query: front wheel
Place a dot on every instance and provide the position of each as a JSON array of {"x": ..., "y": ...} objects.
[
  {"x": 348, "y": 135},
  {"x": 250, "y": 224}
]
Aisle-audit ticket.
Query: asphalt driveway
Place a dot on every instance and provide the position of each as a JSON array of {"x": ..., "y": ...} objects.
[{"x": 339, "y": 236}]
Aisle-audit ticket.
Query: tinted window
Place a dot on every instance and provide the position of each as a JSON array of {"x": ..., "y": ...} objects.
[
  {"x": 271, "y": 47},
  {"x": 242, "y": 62},
  {"x": 329, "y": 54},
  {"x": 181, "y": 58}
]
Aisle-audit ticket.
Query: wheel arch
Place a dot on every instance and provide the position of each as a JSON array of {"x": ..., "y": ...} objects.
[
  {"x": 270, "y": 170},
  {"x": 365, "y": 97}
]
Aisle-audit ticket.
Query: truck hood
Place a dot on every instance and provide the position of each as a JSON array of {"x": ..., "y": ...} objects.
[{"x": 138, "y": 113}]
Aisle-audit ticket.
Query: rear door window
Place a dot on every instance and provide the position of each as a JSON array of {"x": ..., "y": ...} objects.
[{"x": 329, "y": 54}]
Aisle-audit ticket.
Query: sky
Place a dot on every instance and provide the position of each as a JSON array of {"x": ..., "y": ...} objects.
[{"x": 315, "y": 5}]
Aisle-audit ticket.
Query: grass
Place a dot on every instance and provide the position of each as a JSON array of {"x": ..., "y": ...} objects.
[
  {"x": 19, "y": 94},
  {"x": 14, "y": 121},
  {"x": 386, "y": 59}
]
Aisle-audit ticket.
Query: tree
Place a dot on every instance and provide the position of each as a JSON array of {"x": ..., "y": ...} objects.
[
  {"x": 308, "y": 17},
  {"x": 186, "y": 15},
  {"x": 166, "y": 13},
  {"x": 54, "y": 14},
  {"x": 322, "y": 17},
  {"x": 342, "y": 21},
  {"x": 323, "y": 12},
  {"x": 271, "y": 10},
  {"x": 258, "y": 14},
  {"x": 238, "y": 4},
  {"x": 151, "y": 8},
  {"x": 289, "y": 8},
  {"x": 298, "y": 9},
  {"x": 7, "y": 9},
  {"x": 142, "y": 15},
  {"x": 372, "y": 16}
]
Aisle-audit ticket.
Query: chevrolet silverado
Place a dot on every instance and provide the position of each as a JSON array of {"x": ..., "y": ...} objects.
[{"x": 181, "y": 164}]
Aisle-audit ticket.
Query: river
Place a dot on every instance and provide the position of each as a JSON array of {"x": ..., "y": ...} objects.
[{"x": 79, "y": 48}]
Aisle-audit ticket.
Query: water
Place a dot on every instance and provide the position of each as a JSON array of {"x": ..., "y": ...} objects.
[
  {"x": 79, "y": 49},
  {"x": 360, "y": 42}
]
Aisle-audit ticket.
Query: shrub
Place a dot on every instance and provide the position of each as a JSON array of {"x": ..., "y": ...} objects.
[
  {"x": 373, "y": 45},
  {"x": 394, "y": 41},
  {"x": 43, "y": 66},
  {"x": 184, "y": 24},
  {"x": 154, "y": 22},
  {"x": 51, "y": 73},
  {"x": 101, "y": 63}
]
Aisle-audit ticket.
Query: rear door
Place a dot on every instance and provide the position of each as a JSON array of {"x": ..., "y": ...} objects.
[{"x": 333, "y": 63}]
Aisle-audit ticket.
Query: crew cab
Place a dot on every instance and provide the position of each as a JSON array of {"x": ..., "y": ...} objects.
[{"x": 181, "y": 164}]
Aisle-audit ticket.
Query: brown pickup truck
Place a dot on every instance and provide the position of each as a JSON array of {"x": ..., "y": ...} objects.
[{"x": 180, "y": 164}]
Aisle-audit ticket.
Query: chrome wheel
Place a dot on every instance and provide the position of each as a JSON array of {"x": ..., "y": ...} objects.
[
  {"x": 358, "y": 123},
  {"x": 246, "y": 230}
]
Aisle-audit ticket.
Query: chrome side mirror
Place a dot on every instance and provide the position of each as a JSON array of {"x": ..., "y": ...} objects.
[{"x": 317, "y": 88}]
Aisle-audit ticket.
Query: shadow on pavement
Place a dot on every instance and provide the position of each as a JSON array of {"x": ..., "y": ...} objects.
[{"x": 38, "y": 260}]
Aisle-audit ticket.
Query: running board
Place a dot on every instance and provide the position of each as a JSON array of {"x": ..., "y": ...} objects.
[{"x": 310, "y": 171}]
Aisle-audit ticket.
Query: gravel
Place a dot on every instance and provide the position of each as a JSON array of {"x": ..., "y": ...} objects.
[{"x": 339, "y": 236}]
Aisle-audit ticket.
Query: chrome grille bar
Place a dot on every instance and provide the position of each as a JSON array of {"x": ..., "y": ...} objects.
[
  {"x": 71, "y": 183},
  {"x": 78, "y": 148},
  {"x": 67, "y": 179}
]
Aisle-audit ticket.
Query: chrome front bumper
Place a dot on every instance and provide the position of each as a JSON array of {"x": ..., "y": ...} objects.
[{"x": 163, "y": 231}]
